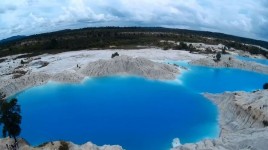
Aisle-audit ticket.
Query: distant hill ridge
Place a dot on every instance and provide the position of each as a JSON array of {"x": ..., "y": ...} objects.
[
  {"x": 153, "y": 29},
  {"x": 121, "y": 37},
  {"x": 13, "y": 38}
]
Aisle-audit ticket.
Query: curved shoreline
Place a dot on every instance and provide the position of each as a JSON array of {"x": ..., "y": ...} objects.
[
  {"x": 119, "y": 65},
  {"x": 231, "y": 131},
  {"x": 241, "y": 119}
]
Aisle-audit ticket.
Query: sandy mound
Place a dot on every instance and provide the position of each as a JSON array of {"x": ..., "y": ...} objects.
[{"x": 131, "y": 66}]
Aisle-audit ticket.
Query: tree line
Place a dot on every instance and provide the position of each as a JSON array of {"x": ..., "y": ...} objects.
[{"x": 117, "y": 37}]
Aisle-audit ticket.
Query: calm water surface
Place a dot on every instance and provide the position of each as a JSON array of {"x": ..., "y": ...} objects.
[{"x": 133, "y": 112}]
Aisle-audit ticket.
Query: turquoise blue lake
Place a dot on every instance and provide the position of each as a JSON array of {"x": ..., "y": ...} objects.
[
  {"x": 217, "y": 80},
  {"x": 133, "y": 112}
]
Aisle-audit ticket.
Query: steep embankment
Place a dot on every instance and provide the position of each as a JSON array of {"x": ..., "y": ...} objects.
[
  {"x": 131, "y": 66},
  {"x": 243, "y": 119},
  {"x": 241, "y": 110}
]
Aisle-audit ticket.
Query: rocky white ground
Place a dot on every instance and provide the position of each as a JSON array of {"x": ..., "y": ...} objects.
[
  {"x": 243, "y": 120},
  {"x": 23, "y": 145},
  {"x": 69, "y": 60},
  {"x": 120, "y": 65},
  {"x": 228, "y": 61},
  {"x": 16, "y": 76}
]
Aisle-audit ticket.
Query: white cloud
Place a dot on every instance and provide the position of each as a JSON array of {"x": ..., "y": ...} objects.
[{"x": 243, "y": 18}]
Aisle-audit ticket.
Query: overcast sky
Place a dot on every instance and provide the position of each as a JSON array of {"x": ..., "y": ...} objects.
[{"x": 248, "y": 18}]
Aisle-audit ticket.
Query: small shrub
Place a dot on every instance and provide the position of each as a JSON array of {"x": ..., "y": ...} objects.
[
  {"x": 265, "y": 123},
  {"x": 176, "y": 47},
  {"x": 208, "y": 50},
  {"x": 2, "y": 96},
  {"x": 114, "y": 55},
  {"x": 218, "y": 56},
  {"x": 224, "y": 50},
  {"x": 265, "y": 86},
  {"x": 183, "y": 45},
  {"x": 64, "y": 145},
  {"x": 165, "y": 48}
]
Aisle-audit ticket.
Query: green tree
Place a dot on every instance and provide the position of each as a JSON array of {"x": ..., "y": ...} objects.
[
  {"x": 218, "y": 56},
  {"x": 10, "y": 118},
  {"x": 183, "y": 45},
  {"x": 52, "y": 44},
  {"x": 191, "y": 48},
  {"x": 224, "y": 50}
]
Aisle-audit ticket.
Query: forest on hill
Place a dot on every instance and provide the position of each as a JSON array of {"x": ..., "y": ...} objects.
[{"x": 122, "y": 37}]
